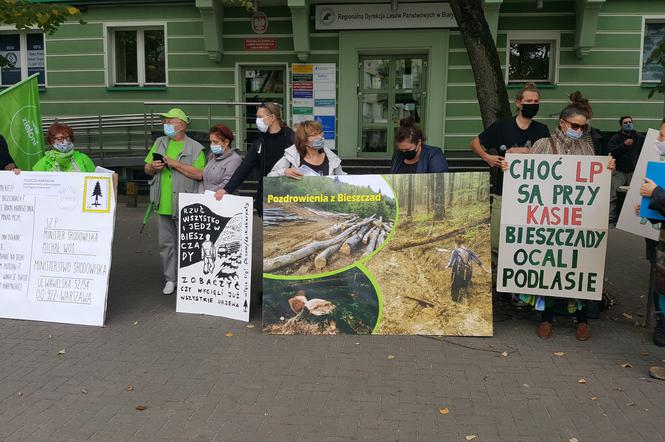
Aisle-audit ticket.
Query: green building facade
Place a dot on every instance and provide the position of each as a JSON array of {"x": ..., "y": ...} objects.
[{"x": 388, "y": 60}]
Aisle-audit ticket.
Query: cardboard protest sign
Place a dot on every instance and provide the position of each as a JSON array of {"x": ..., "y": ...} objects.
[
  {"x": 554, "y": 219},
  {"x": 656, "y": 173},
  {"x": 371, "y": 254},
  {"x": 215, "y": 255},
  {"x": 55, "y": 246},
  {"x": 628, "y": 220}
]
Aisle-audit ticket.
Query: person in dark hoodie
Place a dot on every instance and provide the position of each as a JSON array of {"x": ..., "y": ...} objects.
[
  {"x": 412, "y": 154},
  {"x": 657, "y": 195},
  {"x": 264, "y": 152},
  {"x": 625, "y": 146}
]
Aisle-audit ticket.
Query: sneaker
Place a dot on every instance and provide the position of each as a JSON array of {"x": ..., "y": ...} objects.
[
  {"x": 544, "y": 330},
  {"x": 169, "y": 288},
  {"x": 657, "y": 373},
  {"x": 582, "y": 333}
]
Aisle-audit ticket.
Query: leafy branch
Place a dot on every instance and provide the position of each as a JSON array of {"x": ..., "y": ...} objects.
[{"x": 658, "y": 57}]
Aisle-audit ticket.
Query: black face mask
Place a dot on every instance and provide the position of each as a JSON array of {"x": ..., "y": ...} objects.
[
  {"x": 409, "y": 154},
  {"x": 530, "y": 110}
]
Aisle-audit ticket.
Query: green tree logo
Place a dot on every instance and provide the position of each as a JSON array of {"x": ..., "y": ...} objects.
[{"x": 97, "y": 192}]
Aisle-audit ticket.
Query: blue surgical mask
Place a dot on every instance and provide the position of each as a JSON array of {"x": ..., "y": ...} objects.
[
  {"x": 573, "y": 134},
  {"x": 169, "y": 130},
  {"x": 318, "y": 143},
  {"x": 216, "y": 149},
  {"x": 64, "y": 146},
  {"x": 628, "y": 127}
]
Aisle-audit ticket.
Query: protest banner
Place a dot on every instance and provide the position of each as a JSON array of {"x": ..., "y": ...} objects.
[
  {"x": 55, "y": 246},
  {"x": 554, "y": 219},
  {"x": 400, "y": 254},
  {"x": 215, "y": 255},
  {"x": 21, "y": 122},
  {"x": 629, "y": 221}
]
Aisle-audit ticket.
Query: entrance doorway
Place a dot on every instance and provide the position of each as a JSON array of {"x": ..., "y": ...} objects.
[
  {"x": 260, "y": 84},
  {"x": 390, "y": 88}
]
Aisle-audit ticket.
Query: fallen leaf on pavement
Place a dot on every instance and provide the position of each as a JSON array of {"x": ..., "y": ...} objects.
[
  {"x": 627, "y": 316},
  {"x": 594, "y": 398},
  {"x": 444, "y": 410},
  {"x": 84, "y": 391},
  {"x": 581, "y": 381},
  {"x": 644, "y": 354},
  {"x": 250, "y": 326},
  {"x": 626, "y": 366},
  {"x": 50, "y": 336},
  {"x": 504, "y": 354},
  {"x": 559, "y": 353},
  {"x": 141, "y": 407},
  {"x": 136, "y": 322},
  {"x": 19, "y": 394},
  {"x": 630, "y": 404},
  {"x": 229, "y": 335},
  {"x": 130, "y": 387},
  {"x": 391, "y": 356},
  {"x": 573, "y": 439},
  {"x": 471, "y": 437},
  {"x": 62, "y": 352}
]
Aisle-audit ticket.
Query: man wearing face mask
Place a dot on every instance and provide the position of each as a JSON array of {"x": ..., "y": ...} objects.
[
  {"x": 308, "y": 155},
  {"x": 176, "y": 164},
  {"x": 264, "y": 152},
  {"x": 62, "y": 157},
  {"x": 514, "y": 135},
  {"x": 625, "y": 146}
]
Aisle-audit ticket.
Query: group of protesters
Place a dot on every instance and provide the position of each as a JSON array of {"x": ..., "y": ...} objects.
[{"x": 178, "y": 164}]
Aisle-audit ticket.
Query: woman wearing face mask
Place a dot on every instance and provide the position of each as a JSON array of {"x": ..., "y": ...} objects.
[
  {"x": 275, "y": 137},
  {"x": 222, "y": 160},
  {"x": 62, "y": 157},
  {"x": 567, "y": 140},
  {"x": 412, "y": 154},
  {"x": 308, "y": 156}
]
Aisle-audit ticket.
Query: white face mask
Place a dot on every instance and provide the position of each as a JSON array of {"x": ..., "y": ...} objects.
[
  {"x": 660, "y": 147},
  {"x": 261, "y": 124}
]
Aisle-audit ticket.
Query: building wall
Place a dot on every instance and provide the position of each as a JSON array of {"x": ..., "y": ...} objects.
[{"x": 608, "y": 76}]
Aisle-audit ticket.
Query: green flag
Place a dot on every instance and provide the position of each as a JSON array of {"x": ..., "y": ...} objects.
[{"x": 21, "y": 122}]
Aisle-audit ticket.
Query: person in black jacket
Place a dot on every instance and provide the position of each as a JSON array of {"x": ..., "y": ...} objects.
[
  {"x": 264, "y": 152},
  {"x": 657, "y": 195},
  {"x": 412, "y": 155},
  {"x": 625, "y": 146}
]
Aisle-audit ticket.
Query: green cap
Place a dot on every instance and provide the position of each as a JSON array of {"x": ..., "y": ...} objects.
[{"x": 177, "y": 113}]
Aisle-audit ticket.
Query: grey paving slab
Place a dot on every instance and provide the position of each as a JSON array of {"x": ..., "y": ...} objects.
[{"x": 198, "y": 384}]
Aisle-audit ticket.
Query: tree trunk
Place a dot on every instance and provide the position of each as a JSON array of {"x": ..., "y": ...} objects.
[
  {"x": 321, "y": 259},
  {"x": 355, "y": 240},
  {"x": 481, "y": 49},
  {"x": 409, "y": 206},
  {"x": 425, "y": 240},
  {"x": 270, "y": 264}
]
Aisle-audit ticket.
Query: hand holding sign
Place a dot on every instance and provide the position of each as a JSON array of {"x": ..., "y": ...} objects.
[{"x": 647, "y": 188}]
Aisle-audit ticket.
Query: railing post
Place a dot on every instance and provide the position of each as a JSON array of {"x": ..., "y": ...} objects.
[
  {"x": 101, "y": 137},
  {"x": 145, "y": 130}
]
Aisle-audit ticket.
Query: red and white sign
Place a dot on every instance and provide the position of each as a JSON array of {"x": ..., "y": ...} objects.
[
  {"x": 259, "y": 22},
  {"x": 260, "y": 44}
]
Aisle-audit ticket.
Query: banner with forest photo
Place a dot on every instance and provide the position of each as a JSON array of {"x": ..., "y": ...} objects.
[{"x": 373, "y": 254}]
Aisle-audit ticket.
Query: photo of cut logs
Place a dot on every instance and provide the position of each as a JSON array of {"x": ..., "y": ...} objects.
[{"x": 306, "y": 239}]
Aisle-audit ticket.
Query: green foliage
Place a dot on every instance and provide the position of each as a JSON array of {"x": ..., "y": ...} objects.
[
  {"x": 658, "y": 57},
  {"x": 26, "y": 15},
  {"x": 330, "y": 187}
]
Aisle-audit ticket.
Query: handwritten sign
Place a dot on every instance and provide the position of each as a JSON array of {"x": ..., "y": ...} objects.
[
  {"x": 215, "y": 255},
  {"x": 55, "y": 246},
  {"x": 554, "y": 226}
]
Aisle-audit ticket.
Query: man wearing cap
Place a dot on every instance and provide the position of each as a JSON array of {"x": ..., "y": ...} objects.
[{"x": 176, "y": 164}]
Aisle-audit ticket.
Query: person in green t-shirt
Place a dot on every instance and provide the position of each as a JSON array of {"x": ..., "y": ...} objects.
[
  {"x": 176, "y": 163},
  {"x": 62, "y": 157}
]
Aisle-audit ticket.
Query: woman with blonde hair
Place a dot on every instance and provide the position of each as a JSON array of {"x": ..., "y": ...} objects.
[{"x": 308, "y": 156}]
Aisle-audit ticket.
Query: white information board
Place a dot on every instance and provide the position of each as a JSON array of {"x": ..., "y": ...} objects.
[
  {"x": 55, "y": 246},
  {"x": 628, "y": 220},
  {"x": 215, "y": 255},
  {"x": 554, "y": 221},
  {"x": 314, "y": 97}
]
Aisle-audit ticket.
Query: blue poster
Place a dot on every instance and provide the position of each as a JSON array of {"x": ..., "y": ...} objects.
[
  {"x": 328, "y": 123},
  {"x": 655, "y": 172}
]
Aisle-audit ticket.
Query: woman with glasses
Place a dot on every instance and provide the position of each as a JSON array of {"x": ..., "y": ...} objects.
[
  {"x": 308, "y": 156},
  {"x": 62, "y": 157},
  {"x": 567, "y": 140}
]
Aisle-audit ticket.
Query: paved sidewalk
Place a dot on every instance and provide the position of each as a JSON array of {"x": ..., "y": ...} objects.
[{"x": 198, "y": 384}]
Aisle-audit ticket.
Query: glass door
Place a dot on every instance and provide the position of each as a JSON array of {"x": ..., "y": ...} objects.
[
  {"x": 261, "y": 84},
  {"x": 391, "y": 88}
]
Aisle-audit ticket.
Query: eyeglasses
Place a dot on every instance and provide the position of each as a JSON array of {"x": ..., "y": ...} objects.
[{"x": 576, "y": 126}]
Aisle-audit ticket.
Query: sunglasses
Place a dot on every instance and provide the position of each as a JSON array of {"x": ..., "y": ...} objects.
[{"x": 576, "y": 126}]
